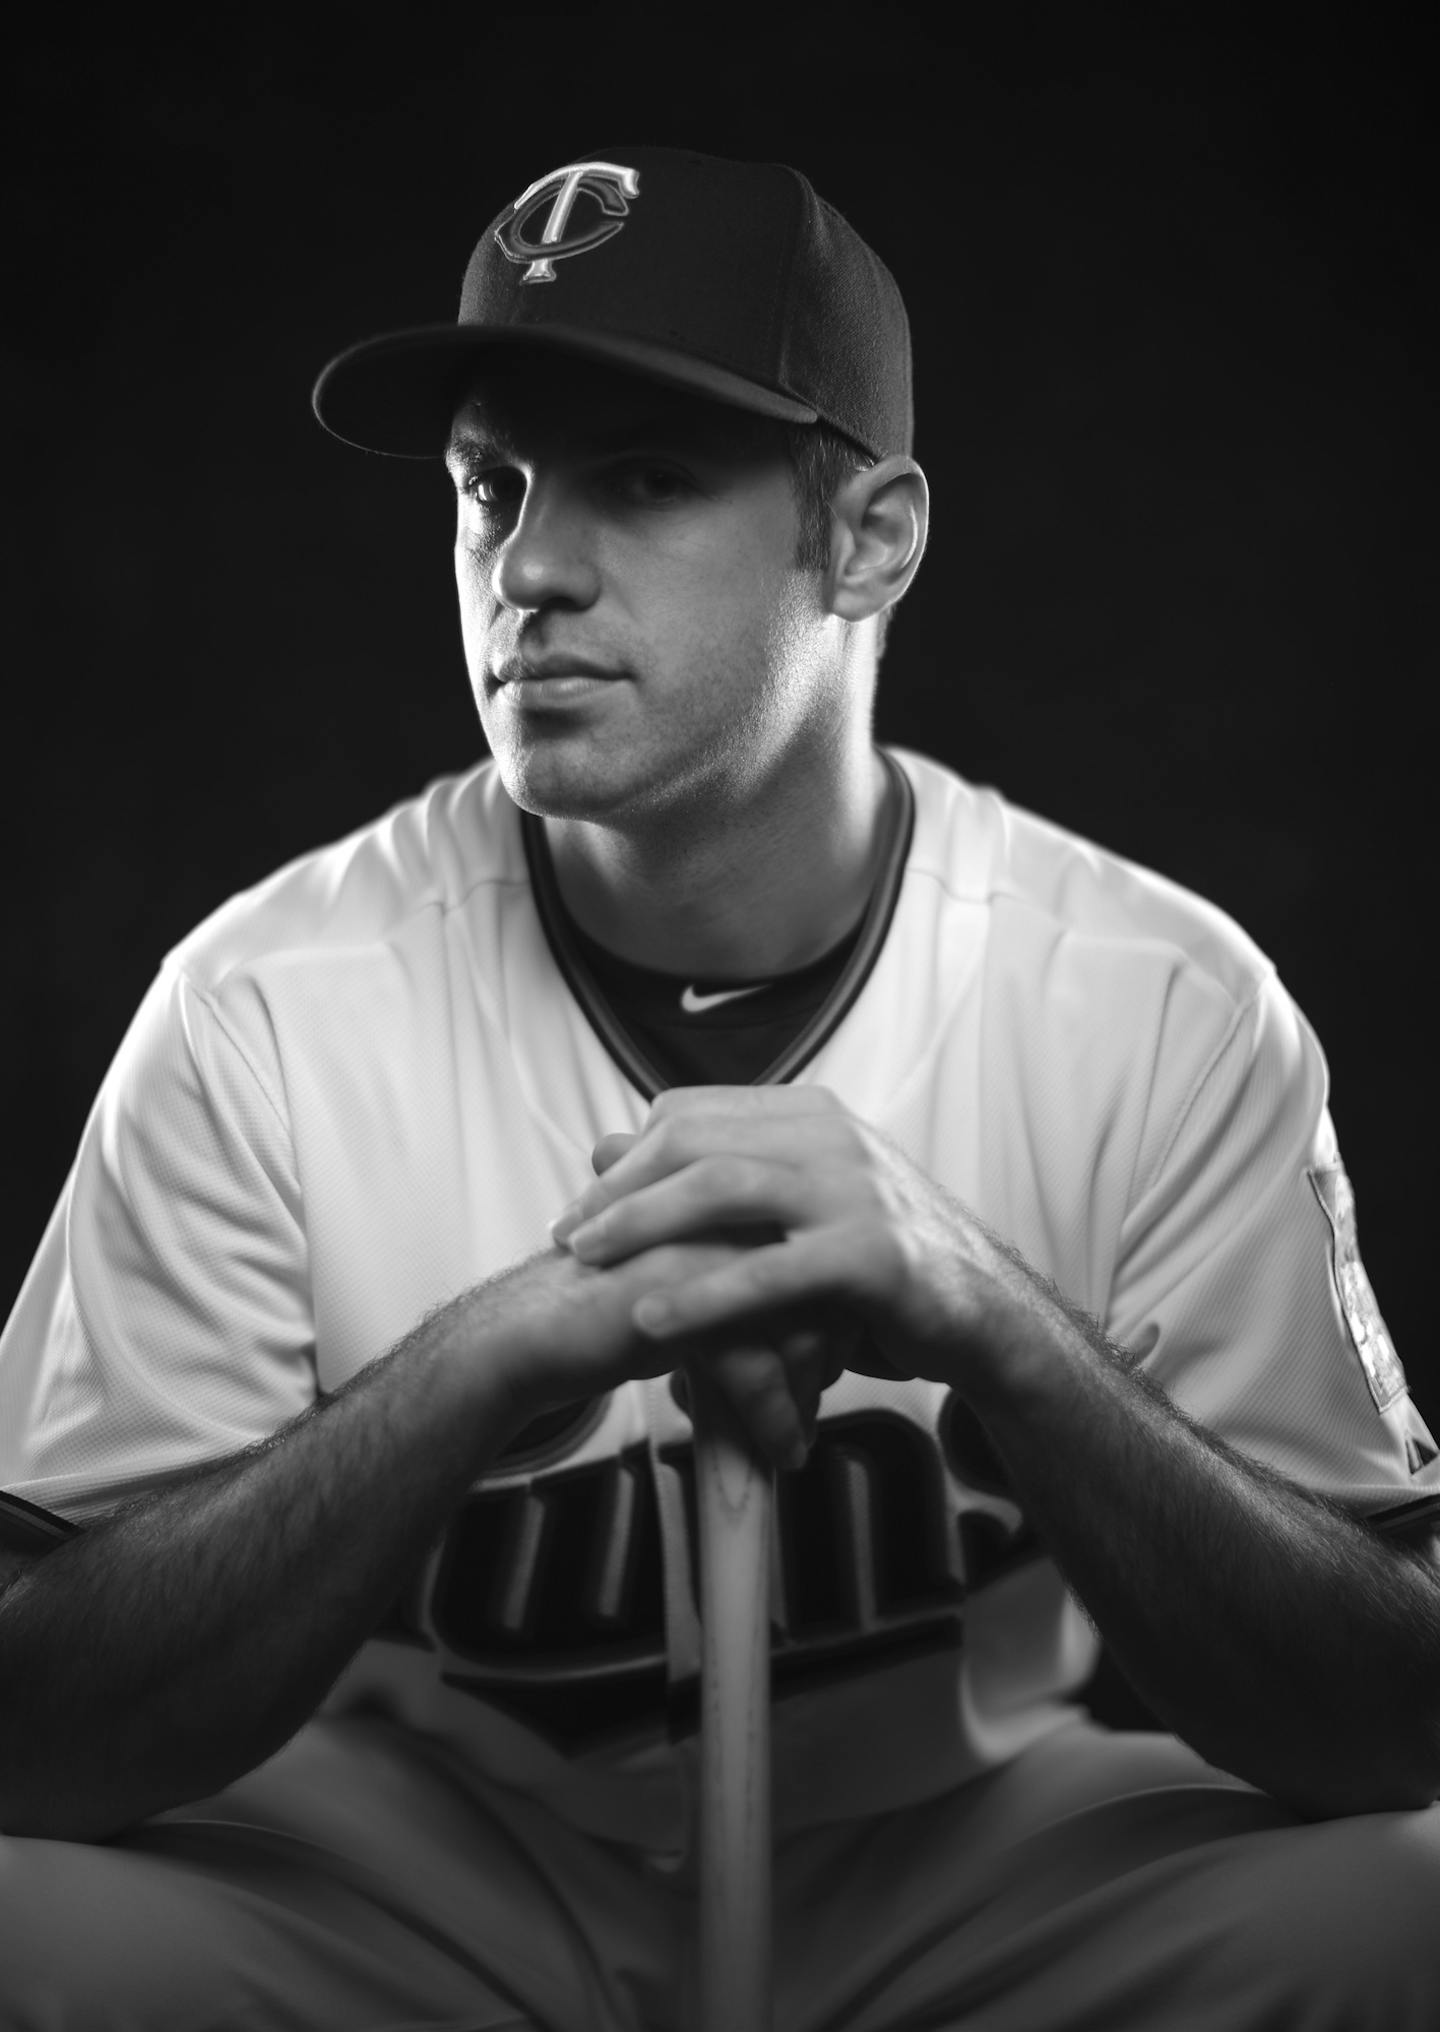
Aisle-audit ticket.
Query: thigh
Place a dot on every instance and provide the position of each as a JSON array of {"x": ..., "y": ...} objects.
[
  {"x": 356, "y": 1881},
  {"x": 1114, "y": 1882}
]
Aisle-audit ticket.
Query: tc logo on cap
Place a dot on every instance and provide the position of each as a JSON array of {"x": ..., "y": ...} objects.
[{"x": 609, "y": 183}]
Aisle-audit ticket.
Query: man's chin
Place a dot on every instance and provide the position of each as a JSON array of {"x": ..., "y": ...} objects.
[{"x": 550, "y": 785}]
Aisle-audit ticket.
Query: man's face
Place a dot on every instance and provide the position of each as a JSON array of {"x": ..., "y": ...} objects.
[{"x": 637, "y": 632}]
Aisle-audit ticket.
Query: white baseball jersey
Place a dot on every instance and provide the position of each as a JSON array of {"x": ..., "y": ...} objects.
[{"x": 373, "y": 1080}]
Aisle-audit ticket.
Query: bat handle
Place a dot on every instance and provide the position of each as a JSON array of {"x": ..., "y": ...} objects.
[{"x": 735, "y": 1500}]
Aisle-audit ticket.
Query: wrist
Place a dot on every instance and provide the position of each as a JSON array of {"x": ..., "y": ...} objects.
[
  {"x": 540, "y": 1334},
  {"x": 1035, "y": 1348}
]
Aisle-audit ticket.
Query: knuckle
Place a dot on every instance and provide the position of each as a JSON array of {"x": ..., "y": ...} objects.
[
  {"x": 732, "y": 1178},
  {"x": 671, "y": 1105},
  {"x": 874, "y": 1247},
  {"x": 905, "y": 1249},
  {"x": 766, "y": 1271},
  {"x": 689, "y": 1100},
  {"x": 843, "y": 1139},
  {"x": 668, "y": 1142},
  {"x": 859, "y": 1139},
  {"x": 673, "y": 1263}
]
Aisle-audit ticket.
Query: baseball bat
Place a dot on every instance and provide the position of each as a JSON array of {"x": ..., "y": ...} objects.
[{"x": 735, "y": 1500}]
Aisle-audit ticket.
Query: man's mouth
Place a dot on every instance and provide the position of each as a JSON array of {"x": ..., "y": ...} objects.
[{"x": 549, "y": 670}]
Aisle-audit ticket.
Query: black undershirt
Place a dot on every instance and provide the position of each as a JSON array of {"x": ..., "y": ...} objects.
[{"x": 725, "y": 1043}]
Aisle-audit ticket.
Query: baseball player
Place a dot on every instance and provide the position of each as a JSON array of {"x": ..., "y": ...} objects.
[{"x": 349, "y": 1636}]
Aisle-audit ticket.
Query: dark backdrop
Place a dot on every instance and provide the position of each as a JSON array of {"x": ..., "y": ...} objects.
[{"x": 1173, "y": 333}]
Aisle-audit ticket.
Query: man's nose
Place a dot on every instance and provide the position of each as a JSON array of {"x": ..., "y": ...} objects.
[{"x": 548, "y": 556}]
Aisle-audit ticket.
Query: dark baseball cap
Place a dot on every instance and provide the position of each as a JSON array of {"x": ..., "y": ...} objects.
[{"x": 730, "y": 278}]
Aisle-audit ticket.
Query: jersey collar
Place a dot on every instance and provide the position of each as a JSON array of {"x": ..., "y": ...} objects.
[{"x": 898, "y": 823}]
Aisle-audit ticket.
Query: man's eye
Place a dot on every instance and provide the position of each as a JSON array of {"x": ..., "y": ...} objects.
[
  {"x": 651, "y": 485},
  {"x": 499, "y": 487}
]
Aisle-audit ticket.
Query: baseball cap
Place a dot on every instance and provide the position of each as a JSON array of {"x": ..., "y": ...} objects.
[{"x": 729, "y": 278}]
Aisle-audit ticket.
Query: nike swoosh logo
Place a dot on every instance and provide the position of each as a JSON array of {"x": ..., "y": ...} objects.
[{"x": 692, "y": 1002}]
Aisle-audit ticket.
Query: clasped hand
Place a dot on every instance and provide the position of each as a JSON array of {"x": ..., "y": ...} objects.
[{"x": 853, "y": 1257}]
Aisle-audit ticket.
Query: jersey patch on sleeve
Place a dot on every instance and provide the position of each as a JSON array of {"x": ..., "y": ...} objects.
[{"x": 1357, "y": 1300}]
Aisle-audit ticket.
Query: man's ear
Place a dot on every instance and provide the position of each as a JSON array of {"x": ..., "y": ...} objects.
[{"x": 879, "y": 521}]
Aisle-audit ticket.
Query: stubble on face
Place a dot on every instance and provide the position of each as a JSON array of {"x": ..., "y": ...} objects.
[{"x": 652, "y": 535}]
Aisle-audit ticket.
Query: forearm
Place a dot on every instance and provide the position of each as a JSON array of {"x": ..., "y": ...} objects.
[
  {"x": 168, "y": 1649},
  {"x": 1283, "y": 1640},
  {"x": 175, "y": 1645}
]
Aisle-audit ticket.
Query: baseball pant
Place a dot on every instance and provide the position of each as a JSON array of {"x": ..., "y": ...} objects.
[{"x": 362, "y": 1882}]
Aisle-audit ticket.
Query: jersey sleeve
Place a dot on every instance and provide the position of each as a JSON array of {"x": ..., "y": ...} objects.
[
  {"x": 166, "y": 1319},
  {"x": 1240, "y": 1283}
]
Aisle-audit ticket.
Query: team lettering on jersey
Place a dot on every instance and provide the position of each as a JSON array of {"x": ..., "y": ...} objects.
[{"x": 546, "y": 1597}]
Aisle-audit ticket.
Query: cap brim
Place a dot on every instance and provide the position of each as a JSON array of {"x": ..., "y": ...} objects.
[{"x": 398, "y": 393}]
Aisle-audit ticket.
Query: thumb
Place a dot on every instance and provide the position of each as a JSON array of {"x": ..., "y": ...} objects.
[{"x": 610, "y": 1149}]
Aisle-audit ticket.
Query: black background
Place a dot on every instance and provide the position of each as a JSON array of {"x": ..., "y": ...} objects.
[{"x": 1173, "y": 325}]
